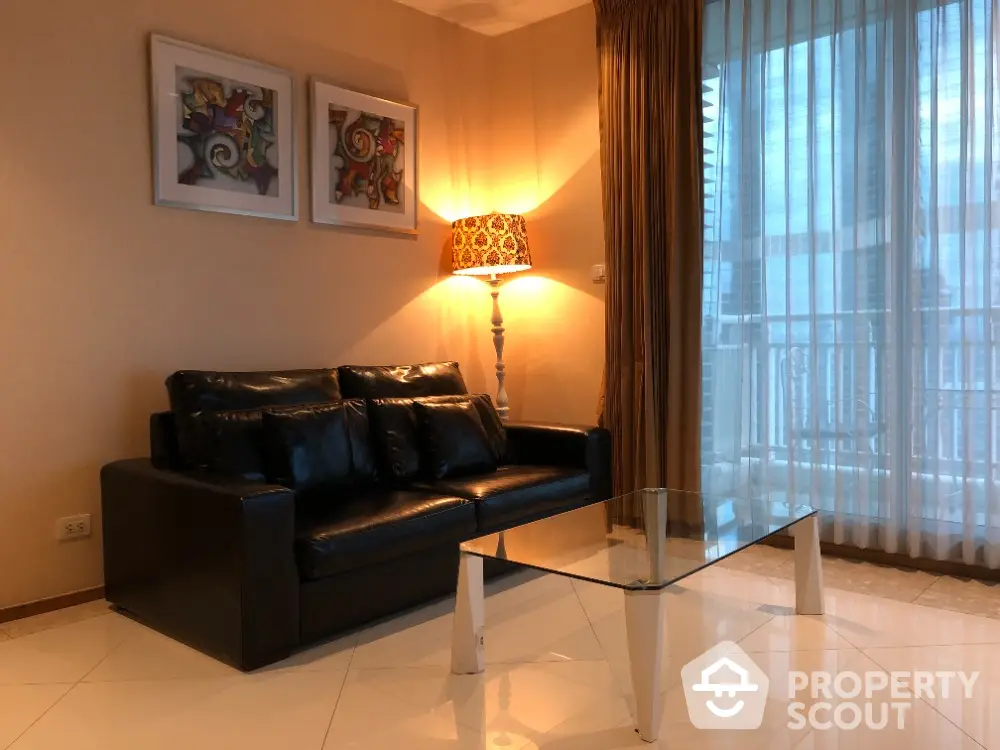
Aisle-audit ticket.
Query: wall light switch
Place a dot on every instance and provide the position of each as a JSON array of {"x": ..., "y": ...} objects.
[{"x": 598, "y": 274}]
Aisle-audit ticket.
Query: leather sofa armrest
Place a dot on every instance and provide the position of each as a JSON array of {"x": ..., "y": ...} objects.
[
  {"x": 564, "y": 445},
  {"x": 208, "y": 560}
]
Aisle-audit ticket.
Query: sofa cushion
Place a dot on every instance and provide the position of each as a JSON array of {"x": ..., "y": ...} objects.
[
  {"x": 202, "y": 390},
  {"x": 515, "y": 494},
  {"x": 396, "y": 438},
  {"x": 453, "y": 441},
  {"x": 402, "y": 381},
  {"x": 223, "y": 442},
  {"x": 362, "y": 529}
]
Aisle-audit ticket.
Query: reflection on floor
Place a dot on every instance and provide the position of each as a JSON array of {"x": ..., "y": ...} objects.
[{"x": 557, "y": 670}]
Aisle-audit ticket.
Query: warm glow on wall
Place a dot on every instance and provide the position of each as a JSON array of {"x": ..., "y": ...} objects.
[
  {"x": 463, "y": 190},
  {"x": 519, "y": 180},
  {"x": 527, "y": 178},
  {"x": 450, "y": 204},
  {"x": 554, "y": 368},
  {"x": 517, "y": 196},
  {"x": 447, "y": 311}
]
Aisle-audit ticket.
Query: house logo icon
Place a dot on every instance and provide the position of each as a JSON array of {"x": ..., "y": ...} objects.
[{"x": 725, "y": 689}]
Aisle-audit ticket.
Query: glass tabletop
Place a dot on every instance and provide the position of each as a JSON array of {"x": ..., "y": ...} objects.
[{"x": 646, "y": 539}]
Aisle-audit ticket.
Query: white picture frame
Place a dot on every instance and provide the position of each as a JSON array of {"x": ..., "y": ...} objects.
[
  {"x": 351, "y": 132},
  {"x": 224, "y": 133}
]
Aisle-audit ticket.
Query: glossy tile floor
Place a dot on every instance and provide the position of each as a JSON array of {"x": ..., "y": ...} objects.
[{"x": 556, "y": 677}]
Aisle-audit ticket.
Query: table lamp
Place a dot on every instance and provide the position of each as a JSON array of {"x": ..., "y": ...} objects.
[{"x": 489, "y": 246}]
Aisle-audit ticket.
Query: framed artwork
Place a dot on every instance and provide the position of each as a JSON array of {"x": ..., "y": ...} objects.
[
  {"x": 223, "y": 132},
  {"x": 363, "y": 160}
]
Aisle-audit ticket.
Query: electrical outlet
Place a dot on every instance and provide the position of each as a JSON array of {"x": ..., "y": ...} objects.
[{"x": 73, "y": 527}]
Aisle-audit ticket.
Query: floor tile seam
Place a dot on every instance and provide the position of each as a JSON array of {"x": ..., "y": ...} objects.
[
  {"x": 56, "y": 702},
  {"x": 839, "y": 634},
  {"x": 929, "y": 705},
  {"x": 799, "y": 650},
  {"x": 354, "y": 669},
  {"x": 769, "y": 619},
  {"x": 946, "y": 608},
  {"x": 934, "y": 581},
  {"x": 73, "y": 687},
  {"x": 964, "y": 644},
  {"x": 590, "y": 622},
  {"x": 333, "y": 711}
]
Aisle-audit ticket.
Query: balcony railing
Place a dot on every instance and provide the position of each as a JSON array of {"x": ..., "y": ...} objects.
[{"x": 829, "y": 410}]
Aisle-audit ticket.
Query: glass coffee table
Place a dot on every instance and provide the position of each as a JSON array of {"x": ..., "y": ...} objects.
[{"x": 641, "y": 543}]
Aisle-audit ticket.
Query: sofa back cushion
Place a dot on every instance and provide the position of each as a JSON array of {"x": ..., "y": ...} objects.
[
  {"x": 218, "y": 414},
  {"x": 235, "y": 441},
  {"x": 453, "y": 441},
  {"x": 396, "y": 437},
  {"x": 200, "y": 390},
  {"x": 402, "y": 381}
]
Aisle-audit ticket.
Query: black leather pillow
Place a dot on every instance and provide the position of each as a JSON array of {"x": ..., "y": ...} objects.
[
  {"x": 394, "y": 428},
  {"x": 453, "y": 441},
  {"x": 359, "y": 431},
  {"x": 308, "y": 447},
  {"x": 396, "y": 439},
  {"x": 495, "y": 430},
  {"x": 225, "y": 442}
]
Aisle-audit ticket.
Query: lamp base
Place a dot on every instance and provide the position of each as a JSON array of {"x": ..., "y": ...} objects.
[{"x": 502, "y": 405}]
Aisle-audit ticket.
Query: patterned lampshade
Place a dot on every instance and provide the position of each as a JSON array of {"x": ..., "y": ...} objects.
[{"x": 485, "y": 245}]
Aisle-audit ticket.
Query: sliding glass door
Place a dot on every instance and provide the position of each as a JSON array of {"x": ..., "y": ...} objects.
[{"x": 852, "y": 269}]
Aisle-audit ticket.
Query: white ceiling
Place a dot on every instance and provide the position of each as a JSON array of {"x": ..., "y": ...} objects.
[{"x": 494, "y": 17}]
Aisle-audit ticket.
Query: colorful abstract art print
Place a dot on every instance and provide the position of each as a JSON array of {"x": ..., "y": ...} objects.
[
  {"x": 363, "y": 166},
  {"x": 366, "y": 168},
  {"x": 223, "y": 132},
  {"x": 226, "y": 139}
]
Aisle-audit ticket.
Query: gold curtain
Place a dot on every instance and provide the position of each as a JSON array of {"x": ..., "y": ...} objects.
[{"x": 651, "y": 158}]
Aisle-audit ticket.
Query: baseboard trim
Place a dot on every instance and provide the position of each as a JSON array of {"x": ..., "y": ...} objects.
[
  {"x": 51, "y": 604},
  {"x": 939, "y": 567}
]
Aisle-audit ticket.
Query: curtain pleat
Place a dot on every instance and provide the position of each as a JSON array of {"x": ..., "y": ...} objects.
[
  {"x": 852, "y": 274},
  {"x": 650, "y": 98}
]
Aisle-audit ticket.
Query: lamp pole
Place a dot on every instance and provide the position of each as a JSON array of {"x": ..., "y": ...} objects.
[{"x": 502, "y": 402}]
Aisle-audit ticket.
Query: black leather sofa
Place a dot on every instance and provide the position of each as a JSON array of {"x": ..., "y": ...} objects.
[{"x": 204, "y": 544}]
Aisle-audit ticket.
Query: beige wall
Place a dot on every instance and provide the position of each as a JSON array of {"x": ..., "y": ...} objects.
[
  {"x": 545, "y": 164},
  {"x": 103, "y": 294}
]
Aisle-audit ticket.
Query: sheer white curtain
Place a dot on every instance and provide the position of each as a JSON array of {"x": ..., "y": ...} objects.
[{"x": 852, "y": 269}]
